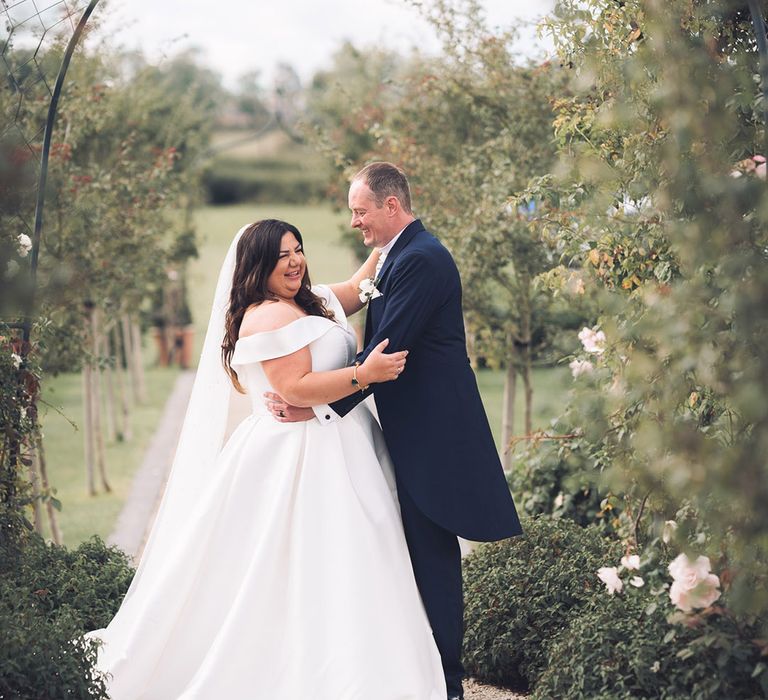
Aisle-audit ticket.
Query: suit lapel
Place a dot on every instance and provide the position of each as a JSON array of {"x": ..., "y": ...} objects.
[
  {"x": 408, "y": 234},
  {"x": 405, "y": 238}
]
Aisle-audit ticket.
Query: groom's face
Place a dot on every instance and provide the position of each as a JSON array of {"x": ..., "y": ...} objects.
[{"x": 373, "y": 222}]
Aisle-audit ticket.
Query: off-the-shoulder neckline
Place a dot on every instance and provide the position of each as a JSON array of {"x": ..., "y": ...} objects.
[{"x": 282, "y": 328}]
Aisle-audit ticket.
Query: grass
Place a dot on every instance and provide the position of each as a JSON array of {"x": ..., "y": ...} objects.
[
  {"x": 550, "y": 385},
  {"x": 82, "y": 515}
]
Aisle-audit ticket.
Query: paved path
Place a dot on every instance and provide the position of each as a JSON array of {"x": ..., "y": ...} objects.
[
  {"x": 476, "y": 691},
  {"x": 140, "y": 508}
]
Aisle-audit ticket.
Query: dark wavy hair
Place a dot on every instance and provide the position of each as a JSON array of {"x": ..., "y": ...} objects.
[{"x": 258, "y": 251}]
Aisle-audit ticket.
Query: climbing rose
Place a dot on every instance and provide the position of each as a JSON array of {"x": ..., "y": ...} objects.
[
  {"x": 693, "y": 586},
  {"x": 631, "y": 562},
  {"x": 25, "y": 244},
  {"x": 579, "y": 367},
  {"x": 610, "y": 577},
  {"x": 593, "y": 341},
  {"x": 670, "y": 526}
]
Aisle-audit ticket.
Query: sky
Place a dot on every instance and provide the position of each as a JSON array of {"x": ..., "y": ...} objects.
[{"x": 238, "y": 36}]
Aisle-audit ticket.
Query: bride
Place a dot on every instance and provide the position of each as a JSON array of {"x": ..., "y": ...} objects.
[{"x": 277, "y": 568}]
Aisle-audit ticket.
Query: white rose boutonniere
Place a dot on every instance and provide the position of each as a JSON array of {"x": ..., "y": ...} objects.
[{"x": 368, "y": 290}]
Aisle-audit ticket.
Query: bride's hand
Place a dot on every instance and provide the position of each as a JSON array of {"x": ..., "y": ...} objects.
[{"x": 380, "y": 367}]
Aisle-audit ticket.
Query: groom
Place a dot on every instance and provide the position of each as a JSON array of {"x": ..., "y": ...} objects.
[{"x": 449, "y": 478}]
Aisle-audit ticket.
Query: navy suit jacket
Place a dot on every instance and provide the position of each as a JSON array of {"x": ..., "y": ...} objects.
[{"x": 433, "y": 418}]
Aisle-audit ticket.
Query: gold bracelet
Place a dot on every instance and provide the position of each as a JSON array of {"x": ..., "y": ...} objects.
[{"x": 354, "y": 378}]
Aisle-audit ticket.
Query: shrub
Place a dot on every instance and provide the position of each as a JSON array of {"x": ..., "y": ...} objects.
[
  {"x": 44, "y": 657},
  {"x": 47, "y": 601},
  {"x": 228, "y": 181},
  {"x": 90, "y": 580},
  {"x": 558, "y": 478},
  {"x": 520, "y": 593},
  {"x": 624, "y": 647}
]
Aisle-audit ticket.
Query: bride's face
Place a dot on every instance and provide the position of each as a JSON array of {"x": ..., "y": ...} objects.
[{"x": 285, "y": 280}]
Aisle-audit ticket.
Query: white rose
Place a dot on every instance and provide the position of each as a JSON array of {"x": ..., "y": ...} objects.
[
  {"x": 637, "y": 581},
  {"x": 631, "y": 562},
  {"x": 593, "y": 341},
  {"x": 693, "y": 586},
  {"x": 669, "y": 531},
  {"x": 579, "y": 367},
  {"x": 609, "y": 575},
  {"x": 25, "y": 244}
]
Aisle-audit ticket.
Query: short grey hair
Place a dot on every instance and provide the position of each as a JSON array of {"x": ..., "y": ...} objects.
[{"x": 386, "y": 180}]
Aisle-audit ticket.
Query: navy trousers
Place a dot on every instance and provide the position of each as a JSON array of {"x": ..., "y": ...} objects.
[{"x": 436, "y": 559}]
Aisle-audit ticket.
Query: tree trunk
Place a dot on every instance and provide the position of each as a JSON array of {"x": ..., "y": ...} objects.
[
  {"x": 130, "y": 361},
  {"x": 109, "y": 383},
  {"x": 90, "y": 471},
  {"x": 37, "y": 508},
  {"x": 138, "y": 358},
  {"x": 51, "y": 510},
  {"x": 508, "y": 411},
  {"x": 126, "y": 427},
  {"x": 101, "y": 458},
  {"x": 526, "y": 321},
  {"x": 528, "y": 387},
  {"x": 471, "y": 345}
]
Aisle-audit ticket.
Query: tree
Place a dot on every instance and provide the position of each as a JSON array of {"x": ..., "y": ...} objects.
[
  {"x": 470, "y": 128},
  {"x": 663, "y": 152}
]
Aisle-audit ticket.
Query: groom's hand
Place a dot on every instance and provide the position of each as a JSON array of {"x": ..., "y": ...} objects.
[{"x": 285, "y": 413}]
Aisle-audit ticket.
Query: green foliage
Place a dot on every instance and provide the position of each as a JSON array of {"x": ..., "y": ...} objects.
[
  {"x": 522, "y": 592},
  {"x": 43, "y": 659},
  {"x": 124, "y": 155},
  {"x": 19, "y": 387},
  {"x": 557, "y": 477},
  {"x": 623, "y": 647},
  {"x": 661, "y": 203},
  {"x": 48, "y": 600}
]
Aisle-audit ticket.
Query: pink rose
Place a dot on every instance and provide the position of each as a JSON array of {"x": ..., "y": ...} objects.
[
  {"x": 579, "y": 367},
  {"x": 592, "y": 341},
  {"x": 693, "y": 586}
]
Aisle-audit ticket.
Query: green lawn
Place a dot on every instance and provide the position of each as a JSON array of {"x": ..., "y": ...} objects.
[
  {"x": 82, "y": 515},
  {"x": 550, "y": 385}
]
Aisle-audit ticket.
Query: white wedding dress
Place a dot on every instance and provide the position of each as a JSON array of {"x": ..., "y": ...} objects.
[{"x": 291, "y": 578}]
